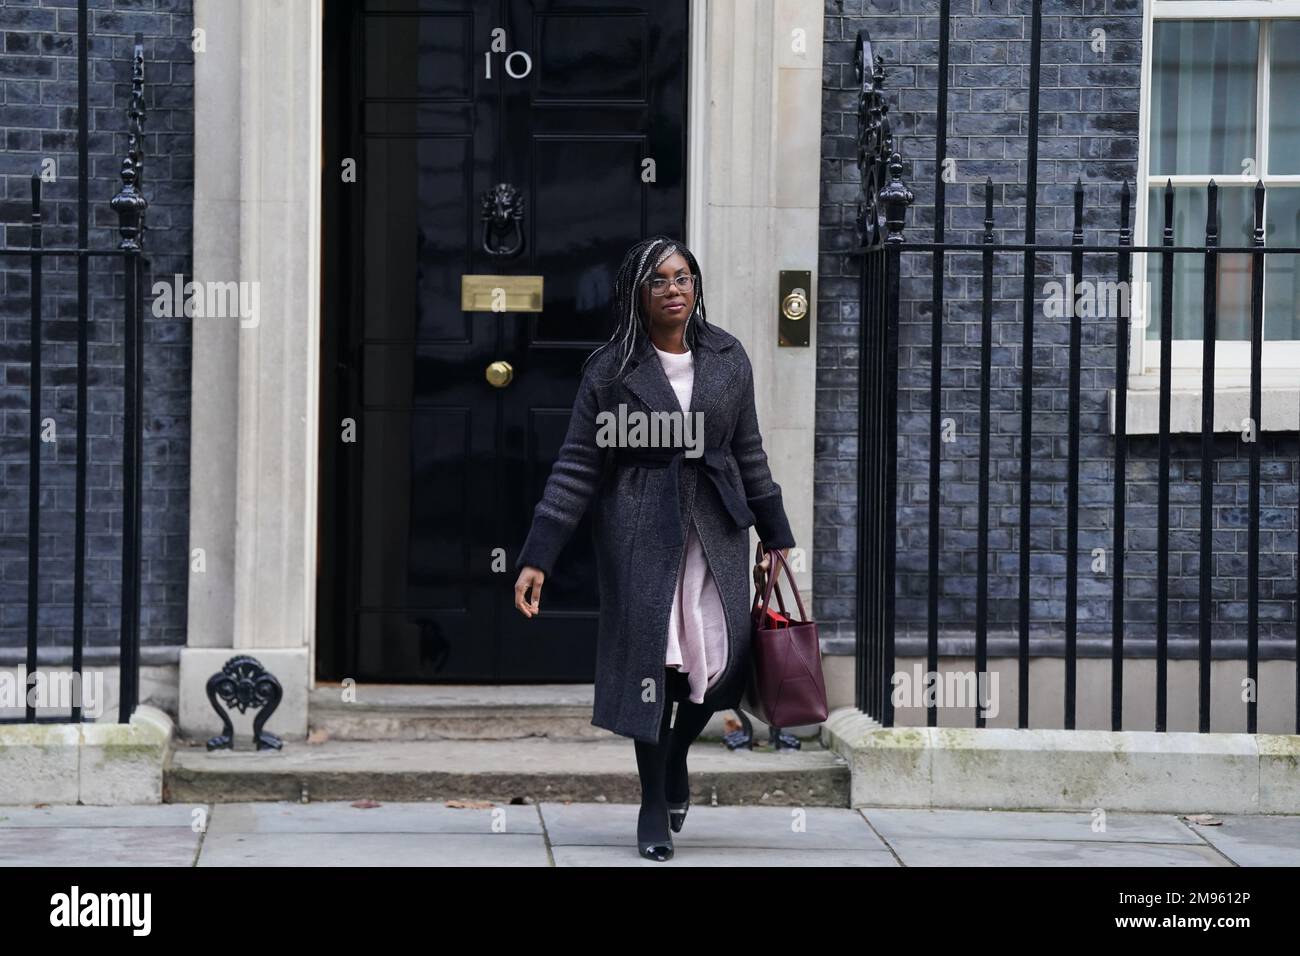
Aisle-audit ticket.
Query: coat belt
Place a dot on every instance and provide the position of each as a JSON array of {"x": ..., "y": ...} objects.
[{"x": 714, "y": 465}]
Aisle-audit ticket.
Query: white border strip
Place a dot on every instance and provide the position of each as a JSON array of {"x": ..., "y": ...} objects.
[
  {"x": 697, "y": 137},
  {"x": 1218, "y": 10}
]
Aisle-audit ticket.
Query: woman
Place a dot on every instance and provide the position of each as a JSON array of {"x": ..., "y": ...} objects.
[{"x": 670, "y": 524}]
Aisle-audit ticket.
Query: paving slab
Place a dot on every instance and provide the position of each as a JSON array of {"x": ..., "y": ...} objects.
[
  {"x": 342, "y": 817},
  {"x": 374, "y": 849},
  {"x": 87, "y": 846},
  {"x": 900, "y": 824},
  {"x": 955, "y": 851},
  {"x": 717, "y": 856},
  {"x": 605, "y": 835},
  {"x": 392, "y": 834},
  {"x": 73, "y": 815},
  {"x": 1255, "y": 840},
  {"x": 72, "y": 835}
]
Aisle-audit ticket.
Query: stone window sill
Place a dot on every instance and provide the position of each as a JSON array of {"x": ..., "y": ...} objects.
[{"x": 1279, "y": 408}]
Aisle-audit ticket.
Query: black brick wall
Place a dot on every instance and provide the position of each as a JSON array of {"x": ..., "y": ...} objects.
[
  {"x": 1089, "y": 130},
  {"x": 38, "y": 119}
]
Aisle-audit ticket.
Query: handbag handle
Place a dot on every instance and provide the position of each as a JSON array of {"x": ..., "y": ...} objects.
[
  {"x": 780, "y": 598},
  {"x": 758, "y": 589},
  {"x": 759, "y": 551},
  {"x": 773, "y": 574},
  {"x": 775, "y": 583}
]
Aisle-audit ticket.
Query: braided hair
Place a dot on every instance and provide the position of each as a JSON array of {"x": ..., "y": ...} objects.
[{"x": 630, "y": 323}]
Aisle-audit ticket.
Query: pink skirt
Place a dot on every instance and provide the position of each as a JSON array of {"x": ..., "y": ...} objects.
[{"x": 697, "y": 627}]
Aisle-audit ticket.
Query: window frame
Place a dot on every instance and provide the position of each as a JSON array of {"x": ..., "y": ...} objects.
[{"x": 1281, "y": 359}]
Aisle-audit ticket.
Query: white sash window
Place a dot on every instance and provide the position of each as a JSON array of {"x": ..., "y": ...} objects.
[{"x": 1220, "y": 101}]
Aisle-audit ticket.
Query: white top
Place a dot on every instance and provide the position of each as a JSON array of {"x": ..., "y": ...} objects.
[
  {"x": 697, "y": 627},
  {"x": 680, "y": 370}
]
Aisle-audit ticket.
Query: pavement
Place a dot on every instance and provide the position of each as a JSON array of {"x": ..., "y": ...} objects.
[{"x": 367, "y": 833}]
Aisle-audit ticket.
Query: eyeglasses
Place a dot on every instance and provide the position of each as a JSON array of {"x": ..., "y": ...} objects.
[{"x": 683, "y": 283}]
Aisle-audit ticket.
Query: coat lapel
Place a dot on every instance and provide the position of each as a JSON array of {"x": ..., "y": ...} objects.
[
  {"x": 649, "y": 382},
  {"x": 713, "y": 370}
]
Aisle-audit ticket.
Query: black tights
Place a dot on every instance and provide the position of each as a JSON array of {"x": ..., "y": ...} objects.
[{"x": 662, "y": 765}]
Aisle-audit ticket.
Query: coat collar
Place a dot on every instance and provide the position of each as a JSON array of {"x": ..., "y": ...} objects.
[{"x": 713, "y": 369}]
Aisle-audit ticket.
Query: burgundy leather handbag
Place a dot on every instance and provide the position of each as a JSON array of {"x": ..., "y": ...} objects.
[{"x": 786, "y": 686}]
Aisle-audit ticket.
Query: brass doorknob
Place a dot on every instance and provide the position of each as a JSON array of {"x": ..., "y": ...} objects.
[
  {"x": 499, "y": 374},
  {"x": 795, "y": 305}
]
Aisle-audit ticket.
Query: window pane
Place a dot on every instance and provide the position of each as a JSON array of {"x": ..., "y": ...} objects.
[
  {"x": 1284, "y": 98},
  {"x": 1281, "y": 289},
  {"x": 1236, "y": 224},
  {"x": 1203, "y": 79}
]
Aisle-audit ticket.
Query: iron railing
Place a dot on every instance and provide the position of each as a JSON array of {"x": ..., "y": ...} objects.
[
  {"x": 130, "y": 206},
  {"x": 881, "y": 244}
]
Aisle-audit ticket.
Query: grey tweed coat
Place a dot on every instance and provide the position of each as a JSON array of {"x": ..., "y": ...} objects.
[{"x": 638, "y": 545}]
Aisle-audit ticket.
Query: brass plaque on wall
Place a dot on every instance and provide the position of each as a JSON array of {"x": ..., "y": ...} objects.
[{"x": 489, "y": 293}]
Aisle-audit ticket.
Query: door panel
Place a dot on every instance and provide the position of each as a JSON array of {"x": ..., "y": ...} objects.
[{"x": 446, "y": 468}]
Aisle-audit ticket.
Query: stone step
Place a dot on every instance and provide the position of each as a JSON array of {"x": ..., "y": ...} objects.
[
  {"x": 395, "y": 712},
  {"x": 504, "y": 771}
]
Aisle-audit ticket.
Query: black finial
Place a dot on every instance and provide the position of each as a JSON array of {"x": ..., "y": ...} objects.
[
  {"x": 895, "y": 197},
  {"x": 1259, "y": 212},
  {"x": 130, "y": 204}
]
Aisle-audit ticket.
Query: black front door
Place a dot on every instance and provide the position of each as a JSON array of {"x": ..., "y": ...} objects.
[{"x": 578, "y": 110}]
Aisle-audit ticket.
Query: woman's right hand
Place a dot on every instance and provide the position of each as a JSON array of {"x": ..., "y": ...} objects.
[
  {"x": 529, "y": 577},
  {"x": 762, "y": 567}
]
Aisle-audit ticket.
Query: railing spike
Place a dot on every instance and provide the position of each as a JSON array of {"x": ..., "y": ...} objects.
[
  {"x": 130, "y": 203},
  {"x": 1125, "y": 233}
]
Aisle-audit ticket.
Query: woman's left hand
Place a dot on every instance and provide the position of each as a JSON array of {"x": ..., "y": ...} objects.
[{"x": 760, "y": 569}]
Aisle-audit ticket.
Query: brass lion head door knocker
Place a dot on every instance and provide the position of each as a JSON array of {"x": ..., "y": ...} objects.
[{"x": 502, "y": 210}]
